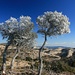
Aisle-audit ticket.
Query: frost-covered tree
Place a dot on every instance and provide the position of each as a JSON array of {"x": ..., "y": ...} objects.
[
  {"x": 19, "y": 33},
  {"x": 51, "y": 24}
]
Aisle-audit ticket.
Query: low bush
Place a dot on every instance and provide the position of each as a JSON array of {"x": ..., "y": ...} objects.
[{"x": 28, "y": 59}]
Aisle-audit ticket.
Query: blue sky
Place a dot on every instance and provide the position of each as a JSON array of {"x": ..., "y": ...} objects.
[{"x": 34, "y": 8}]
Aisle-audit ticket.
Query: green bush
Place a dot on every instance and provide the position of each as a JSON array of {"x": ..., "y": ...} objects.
[
  {"x": 28, "y": 59},
  {"x": 60, "y": 66},
  {"x": 36, "y": 65},
  {"x": 18, "y": 57}
]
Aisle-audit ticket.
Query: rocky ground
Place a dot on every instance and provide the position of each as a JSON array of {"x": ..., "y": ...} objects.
[{"x": 27, "y": 61}]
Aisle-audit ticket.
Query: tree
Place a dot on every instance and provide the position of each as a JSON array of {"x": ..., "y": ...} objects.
[
  {"x": 19, "y": 33},
  {"x": 51, "y": 24}
]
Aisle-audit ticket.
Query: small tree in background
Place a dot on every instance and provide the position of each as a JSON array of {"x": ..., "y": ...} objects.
[
  {"x": 51, "y": 24},
  {"x": 19, "y": 33}
]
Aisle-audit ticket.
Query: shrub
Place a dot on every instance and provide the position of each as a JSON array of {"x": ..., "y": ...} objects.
[
  {"x": 36, "y": 65},
  {"x": 28, "y": 59},
  {"x": 60, "y": 66}
]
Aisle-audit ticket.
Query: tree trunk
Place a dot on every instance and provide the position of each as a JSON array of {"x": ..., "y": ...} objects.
[
  {"x": 40, "y": 57},
  {"x": 10, "y": 39},
  {"x": 4, "y": 59},
  {"x": 13, "y": 60}
]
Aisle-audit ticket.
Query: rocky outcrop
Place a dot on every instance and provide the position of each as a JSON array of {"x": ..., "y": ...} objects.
[
  {"x": 70, "y": 53},
  {"x": 67, "y": 52},
  {"x": 60, "y": 52},
  {"x": 2, "y": 46},
  {"x": 55, "y": 52}
]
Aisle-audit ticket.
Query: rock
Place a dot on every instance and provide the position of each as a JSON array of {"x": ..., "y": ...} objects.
[
  {"x": 70, "y": 53},
  {"x": 67, "y": 52},
  {"x": 2, "y": 47},
  {"x": 55, "y": 52}
]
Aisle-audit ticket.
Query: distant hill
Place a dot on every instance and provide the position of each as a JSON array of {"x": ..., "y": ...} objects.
[{"x": 54, "y": 47}]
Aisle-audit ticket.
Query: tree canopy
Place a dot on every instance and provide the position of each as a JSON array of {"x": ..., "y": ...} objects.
[
  {"x": 20, "y": 29},
  {"x": 53, "y": 23}
]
